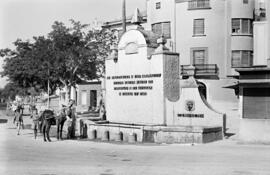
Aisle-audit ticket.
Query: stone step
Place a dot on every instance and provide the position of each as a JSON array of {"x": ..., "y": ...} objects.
[
  {"x": 94, "y": 118},
  {"x": 94, "y": 114},
  {"x": 87, "y": 112},
  {"x": 101, "y": 122}
]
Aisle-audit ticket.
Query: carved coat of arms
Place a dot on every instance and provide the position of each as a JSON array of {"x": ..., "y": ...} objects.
[{"x": 190, "y": 105}]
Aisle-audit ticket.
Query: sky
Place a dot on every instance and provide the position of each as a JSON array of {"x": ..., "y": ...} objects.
[{"x": 27, "y": 18}]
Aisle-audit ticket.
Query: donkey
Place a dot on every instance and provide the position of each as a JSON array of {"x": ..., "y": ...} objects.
[{"x": 47, "y": 119}]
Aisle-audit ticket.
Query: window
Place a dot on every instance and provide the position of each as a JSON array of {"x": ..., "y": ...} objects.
[
  {"x": 93, "y": 98},
  {"x": 198, "y": 27},
  {"x": 199, "y": 56},
  {"x": 198, "y": 4},
  {"x": 245, "y": 1},
  {"x": 162, "y": 28},
  {"x": 158, "y": 5},
  {"x": 84, "y": 98},
  {"x": 242, "y": 26},
  {"x": 242, "y": 58},
  {"x": 235, "y": 25}
]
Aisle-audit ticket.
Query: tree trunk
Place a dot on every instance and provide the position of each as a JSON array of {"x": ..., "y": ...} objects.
[{"x": 68, "y": 91}]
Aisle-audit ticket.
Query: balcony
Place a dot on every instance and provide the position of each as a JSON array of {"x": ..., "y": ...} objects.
[
  {"x": 199, "y": 4},
  {"x": 202, "y": 71}
]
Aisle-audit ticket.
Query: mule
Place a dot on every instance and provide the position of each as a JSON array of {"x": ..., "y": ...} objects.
[{"x": 47, "y": 119}]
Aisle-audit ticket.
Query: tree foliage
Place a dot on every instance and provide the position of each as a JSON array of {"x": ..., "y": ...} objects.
[
  {"x": 11, "y": 90},
  {"x": 65, "y": 57}
]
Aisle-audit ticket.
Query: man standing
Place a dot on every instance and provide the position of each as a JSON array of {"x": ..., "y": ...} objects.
[
  {"x": 19, "y": 120},
  {"x": 71, "y": 121},
  {"x": 36, "y": 121}
]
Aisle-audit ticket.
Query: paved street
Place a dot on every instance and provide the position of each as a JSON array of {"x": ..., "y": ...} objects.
[{"x": 24, "y": 155}]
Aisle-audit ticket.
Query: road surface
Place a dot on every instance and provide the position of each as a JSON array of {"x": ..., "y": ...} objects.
[{"x": 23, "y": 155}]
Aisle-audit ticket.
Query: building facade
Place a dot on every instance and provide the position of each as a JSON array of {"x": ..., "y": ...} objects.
[{"x": 215, "y": 36}]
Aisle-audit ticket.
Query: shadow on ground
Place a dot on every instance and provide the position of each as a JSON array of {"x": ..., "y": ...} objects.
[{"x": 3, "y": 120}]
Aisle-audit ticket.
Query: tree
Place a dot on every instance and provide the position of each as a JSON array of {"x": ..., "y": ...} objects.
[
  {"x": 79, "y": 55},
  {"x": 65, "y": 57},
  {"x": 11, "y": 90},
  {"x": 27, "y": 65}
]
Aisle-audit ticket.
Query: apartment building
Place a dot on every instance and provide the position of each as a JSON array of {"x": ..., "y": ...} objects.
[{"x": 215, "y": 36}]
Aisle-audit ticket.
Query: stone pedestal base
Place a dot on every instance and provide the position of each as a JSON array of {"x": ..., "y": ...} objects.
[{"x": 154, "y": 134}]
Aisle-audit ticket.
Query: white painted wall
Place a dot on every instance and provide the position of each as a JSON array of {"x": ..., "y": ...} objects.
[
  {"x": 241, "y": 43},
  {"x": 147, "y": 109},
  {"x": 261, "y": 44},
  {"x": 165, "y": 14},
  {"x": 268, "y": 21},
  {"x": 241, "y": 10},
  {"x": 211, "y": 118}
]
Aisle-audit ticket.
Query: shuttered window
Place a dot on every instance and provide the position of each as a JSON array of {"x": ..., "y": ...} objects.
[
  {"x": 235, "y": 25},
  {"x": 163, "y": 28},
  {"x": 245, "y": 61},
  {"x": 236, "y": 58},
  {"x": 242, "y": 58},
  {"x": 198, "y": 27},
  {"x": 198, "y": 4},
  {"x": 256, "y": 103},
  {"x": 245, "y": 26},
  {"x": 157, "y": 28},
  {"x": 242, "y": 26},
  {"x": 199, "y": 56},
  {"x": 167, "y": 29}
]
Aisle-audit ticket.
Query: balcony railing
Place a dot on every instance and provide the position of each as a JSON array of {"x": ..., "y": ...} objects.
[
  {"x": 206, "y": 71},
  {"x": 198, "y": 4}
]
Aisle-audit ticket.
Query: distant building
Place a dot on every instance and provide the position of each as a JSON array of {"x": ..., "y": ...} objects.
[{"x": 88, "y": 95}]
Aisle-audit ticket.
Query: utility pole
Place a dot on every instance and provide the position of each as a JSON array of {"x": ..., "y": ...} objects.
[
  {"x": 124, "y": 16},
  {"x": 48, "y": 103}
]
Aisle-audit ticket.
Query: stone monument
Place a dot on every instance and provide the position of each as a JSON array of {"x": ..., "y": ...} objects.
[{"x": 147, "y": 101}]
